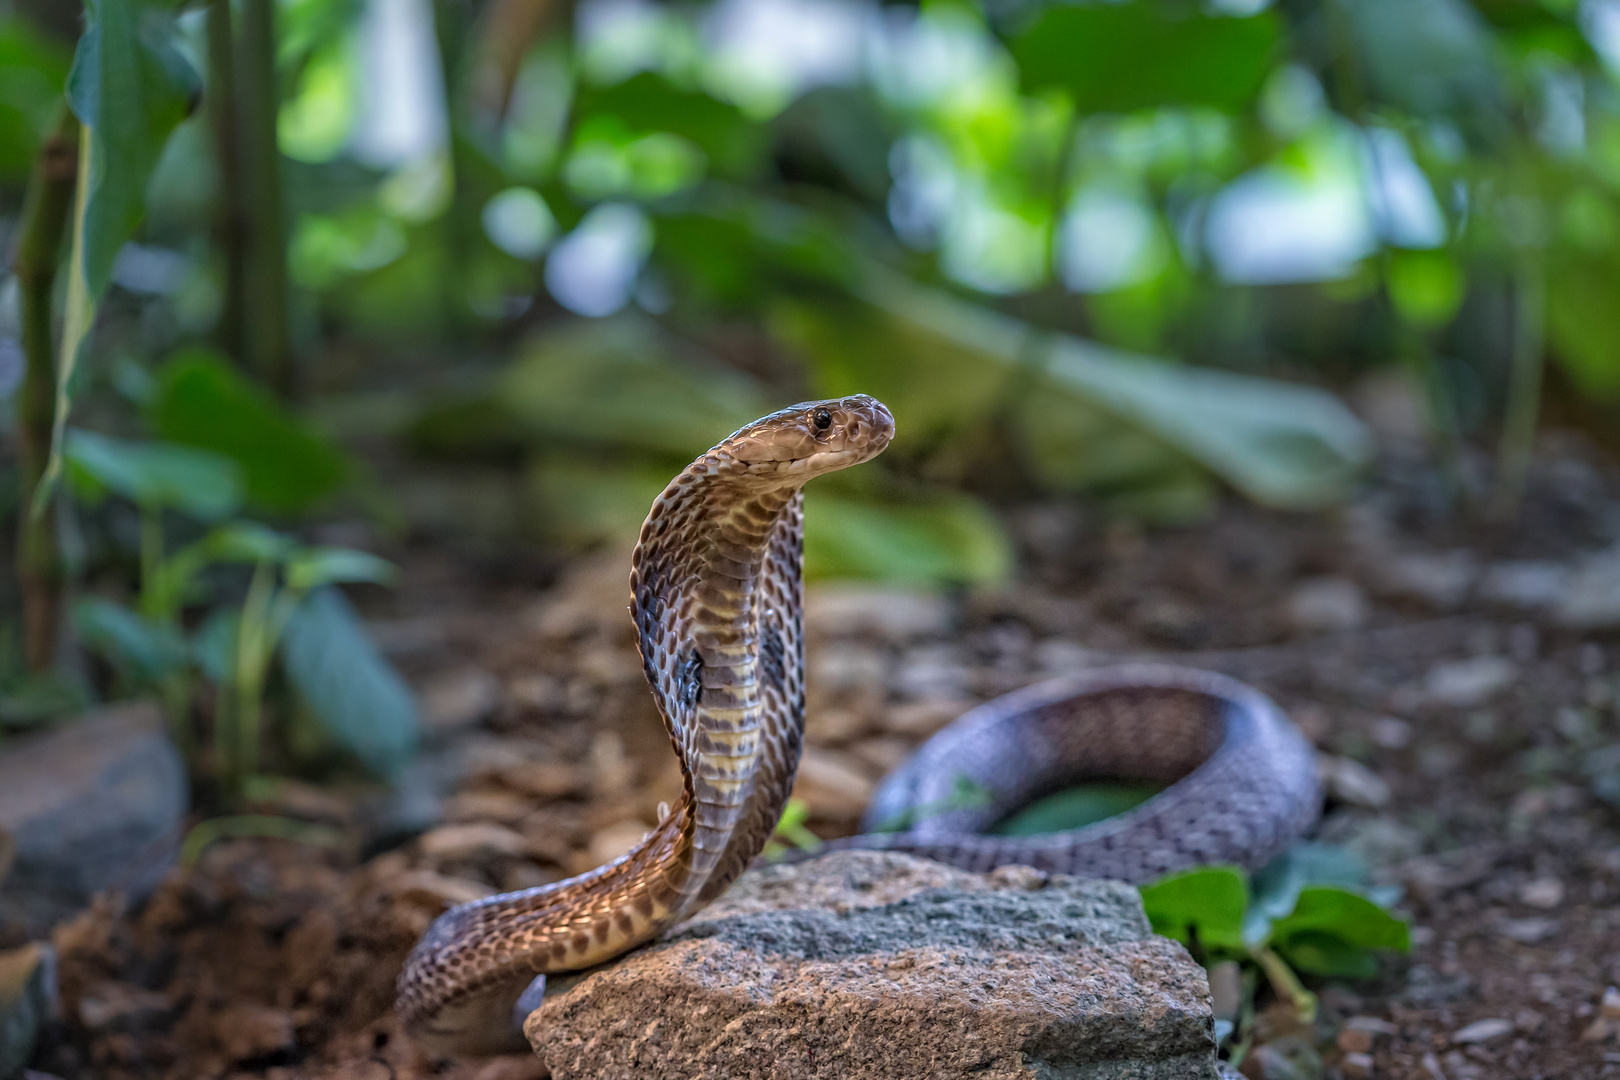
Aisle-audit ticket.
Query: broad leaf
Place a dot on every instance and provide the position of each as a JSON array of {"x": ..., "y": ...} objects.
[
  {"x": 201, "y": 402},
  {"x": 144, "y": 652},
  {"x": 155, "y": 475},
  {"x": 1207, "y": 903},
  {"x": 335, "y": 669},
  {"x": 1341, "y": 914},
  {"x": 1125, "y": 56},
  {"x": 314, "y": 567},
  {"x": 249, "y": 542},
  {"x": 130, "y": 86}
]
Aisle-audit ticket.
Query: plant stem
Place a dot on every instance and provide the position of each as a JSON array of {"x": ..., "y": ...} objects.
[
  {"x": 230, "y": 213},
  {"x": 1523, "y": 406},
  {"x": 252, "y": 661},
  {"x": 1285, "y": 982},
  {"x": 44, "y": 219},
  {"x": 268, "y": 332}
]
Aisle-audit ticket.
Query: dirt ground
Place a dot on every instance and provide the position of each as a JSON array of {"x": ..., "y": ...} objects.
[{"x": 1486, "y": 736}]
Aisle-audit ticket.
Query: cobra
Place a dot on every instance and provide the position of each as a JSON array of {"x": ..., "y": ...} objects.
[{"x": 717, "y": 598}]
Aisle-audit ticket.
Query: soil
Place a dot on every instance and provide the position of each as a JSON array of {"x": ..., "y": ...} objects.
[{"x": 1495, "y": 732}]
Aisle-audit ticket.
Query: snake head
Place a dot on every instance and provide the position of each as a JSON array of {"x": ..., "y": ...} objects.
[{"x": 813, "y": 437}]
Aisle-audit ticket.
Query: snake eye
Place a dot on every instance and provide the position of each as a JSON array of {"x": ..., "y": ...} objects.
[{"x": 823, "y": 419}]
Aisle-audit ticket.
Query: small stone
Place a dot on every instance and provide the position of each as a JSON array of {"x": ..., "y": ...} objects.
[
  {"x": 433, "y": 891},
  {"x": 838, "y": 667},
  {"x": 1326, "y": 605},
  {"x": 502, "y": 807},
  {"x": 883, "y": 754},
  {"x": 1609, "y": 1008},
  {"x": 1525, "y": 586},
  {"x": 612, "y": 771},
  {"x": 934, "y": 671},
  {"x": 246, "y": 1031},
  {"x": 89, "y": 805},
  {"x": 832, "y": 784},
  {"x": 120, "y": 1005},
  {"x": 546, "y": 780},
  {"x": 1439, "y": 579},
  {"x": 1527, "y": 931},
  {"x": 1391, "y": 733},
  {"x": 1059, "y": 656},
  {"x": 920, "y": 719},
  {"x": 458, "y": 700},
  {"x": 472, "y": 840},
  {"x": 1226, "y": 990},
  {"x": 616, "y": 839},
  {"x": 1482, "y": 1031},
  {"x": 1545, "y": 893},
  {"x": 834, "y": 725},
  {"x": 1291, "y": 1057},
  {"x": 1591, "y": 598},
  {"x": 893, "y": 614},
  {"x": 1465, "y": 684},
  {"x": 1357, "y": 1065},
  {"x": 1351, "y": 782}
]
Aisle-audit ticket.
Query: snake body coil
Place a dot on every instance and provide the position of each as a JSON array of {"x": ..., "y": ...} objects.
[{"x": 717, "y": 596}]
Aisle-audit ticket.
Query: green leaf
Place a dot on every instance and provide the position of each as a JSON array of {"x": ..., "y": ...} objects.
[
  {"x": 1278, "y": 884},
  {"x": 624, "y": 381},
  {"x": 1075, "y": 808},
  {"x": 1209, "y": 900},
  {"x": 213, "y": 646},
  {"x": 38, "y": 699},
  {"x": 1327, "y": 914},
  {"x": 144, "y": 652},
  {"x": 1319, "y": 953},
  {"x": 949, "y": 537},
  {"x": 1432, "y": 57},
  {"x": 33, "y": 69},
  {"x": 131, "y": 87},
  {"x": 1281, "y": 444},
  {"x": 1125, "y": 56},
  {"x": 314, "y": 567},
  {"x": 249, "y": 542},
  {"x": 649, "y": 102},
  {"x": 155, "y": 475},
  {"x": 336, "y": 670},
  {"x": 201, "y": 401}
]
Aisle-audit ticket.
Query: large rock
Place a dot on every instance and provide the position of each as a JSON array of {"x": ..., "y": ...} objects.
[
  {"x": 96, "y": 804},
  {"x": 875, "y": 965}
]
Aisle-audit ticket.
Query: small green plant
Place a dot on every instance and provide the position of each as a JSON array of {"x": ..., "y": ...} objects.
[
  {"x": 1306, "y": 913},
  {"x": 287, "y": 612},
  {"x": 791, "y": 832}
]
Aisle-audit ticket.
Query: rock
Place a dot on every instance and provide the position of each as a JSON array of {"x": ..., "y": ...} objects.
[
  {"x": 874, "y": 965},
  {"x": 110, "y": 1005},
  {"x": 1357, "y": 1065},
  {"x": 839, "y": 667},
  {"x": 27, "y": 1002},
  {"x": 1545, "y": 893},
  {"x": 1609, "y": 1007},
  {"x": 894, "y": 614},
  {"x": 1527, "y": 931},
  {"x": 1361, "y": 1033},
  {"x": 458, "y": 700},
  {"x": 1351, "y": 782},
  {"x": 472, "y": 841},
  {"x": 1524, "y": 585},
  {"x": 96, "y": 804},
  {"x": 1439, "y": 579},
  {"x": 1326, "y": 604},
  {"x": 832, "y": 784},
  {"x": 1391, "y": 733},
  {"x": 1482, "y": 1031},
  {"x": 1591, "y": 598},
  {"x": 1463, "y": 684},
  {"x": 1289, "y": 1058},
  {"x": 246, "y": 1031}
]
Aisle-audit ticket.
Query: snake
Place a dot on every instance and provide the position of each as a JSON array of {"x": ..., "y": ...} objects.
[{"x": 717, "y": 597}]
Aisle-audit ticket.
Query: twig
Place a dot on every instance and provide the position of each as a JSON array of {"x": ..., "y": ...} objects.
[{"x": 44, "y": 219}]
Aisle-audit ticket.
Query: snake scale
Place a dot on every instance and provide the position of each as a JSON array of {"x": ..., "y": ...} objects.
[{"x": 717, "y": 595}]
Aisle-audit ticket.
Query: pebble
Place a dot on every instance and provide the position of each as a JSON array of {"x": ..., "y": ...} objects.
[
  {"x": 432, "y": 890},
  {"x": 936, "y": 671},
  {"x": 545, "y": 780},
  {"x": 833, "y": 784},
  {"x": 1059, "y": 656},
  {"x": 920, "y": 719},
  {"x": 246, "y": 1031},
  {"x": 1545, "y": 893},
  {"x": 1439, "y": 579},
  {"x": 1351, "y": 782},
  {"x": 1391, "y": 733},
  {"x": 895, "y": 614},
  {"x": 471, "y": 840},
  {"x": 1609, "y": 1007},
  {"x": 1527, "y": 931},
  {"x": 117, "y": 1004},
  {"x": 1361, "y": 1033},
  {"x": 457, "y": 700},
  {"x": 1357, "y": 1064},
  {"x": 1482, "y": 1031},
  {"x": 502, "y": 807},
  {"x": 834, "y": 725},
  {"x": 839, "y": 667},
  {"x": 609, "y": 843},
  {"x": 611, "y": 770},
  {"x": 883, "y": 754},
  {"x": 1464, "y": 684},
  {"x": 1326, "y": 605},
  {"x": 1525, "y": 585},
  {"x": 1591, "y": 599}
]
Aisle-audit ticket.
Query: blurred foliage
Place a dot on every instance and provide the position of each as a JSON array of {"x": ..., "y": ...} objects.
[{"x": 1308, "y": 911}]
